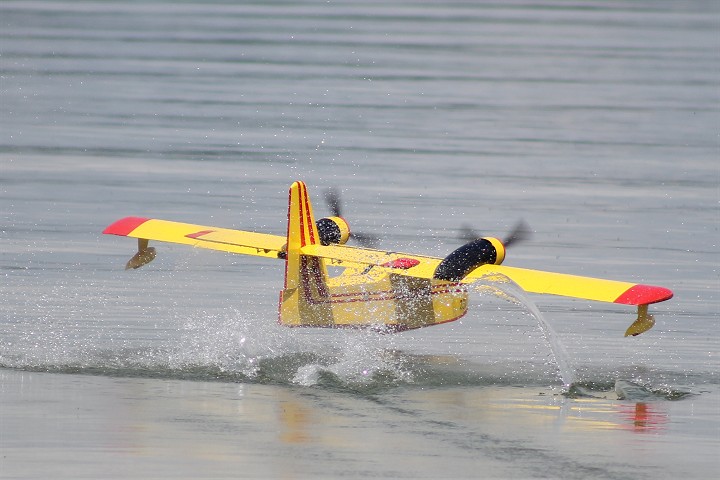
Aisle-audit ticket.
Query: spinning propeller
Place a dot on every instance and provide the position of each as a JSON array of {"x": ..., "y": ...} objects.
[
  {"x": 520, "y": 232},
  {"x": 332, "y": 198},
  {"x": 456, "y": 266},
  {"x": 478, "y": 251}
]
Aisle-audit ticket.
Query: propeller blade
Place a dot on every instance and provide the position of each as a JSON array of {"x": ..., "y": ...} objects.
[
  {"x": 334, "y": 203},
  {"x": 332, "y": 198},
  {"x": 468, "y": 234},
  {"x": 365, "y": 239},
  {"x": 519, "y": 233}
]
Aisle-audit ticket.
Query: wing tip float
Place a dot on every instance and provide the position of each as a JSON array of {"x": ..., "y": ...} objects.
[
  {"x": 124, "y": 227},
  {"x": 643, "y": 323},
  {"x": 405, "y": 291},
  {"x": 642, "y": 296}
]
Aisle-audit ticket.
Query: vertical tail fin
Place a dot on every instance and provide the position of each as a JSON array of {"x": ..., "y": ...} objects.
[
  {"x": 304, "y": 301},
  {"x": 302, "y": 230}
]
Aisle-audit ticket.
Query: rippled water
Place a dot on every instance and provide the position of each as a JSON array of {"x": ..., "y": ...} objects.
[{"x": 595, "y": 122}]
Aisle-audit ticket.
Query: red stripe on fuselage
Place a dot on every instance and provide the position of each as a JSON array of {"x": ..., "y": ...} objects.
[
  {"x": 378, "y": 327},
  {"x": 312, "y": 274}
]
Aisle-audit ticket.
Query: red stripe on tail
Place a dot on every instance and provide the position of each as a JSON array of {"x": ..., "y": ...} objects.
[
  {"x": 305, "y": 205},
  {"x": 301, "y": 213}
]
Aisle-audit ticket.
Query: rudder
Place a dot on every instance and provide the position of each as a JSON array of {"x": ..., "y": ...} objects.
[{"x": 305, "y": 298}]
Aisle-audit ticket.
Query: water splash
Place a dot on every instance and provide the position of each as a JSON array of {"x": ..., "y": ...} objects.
[
  {"x": 237, "y": 346},
  {"x": 632, "y": 390},
  {"x": 627, "y": 390},
  {"x": 509, "y": 291},
  {"x": 229, "y": 346}
]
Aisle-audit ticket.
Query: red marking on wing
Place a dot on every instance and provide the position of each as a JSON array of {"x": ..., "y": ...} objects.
[
  {"x": 403, "y": 263},
  {"x": 125, "y": 226},
  {"x": 644, "y": 294},
  {"x": 199, "y": 234}
]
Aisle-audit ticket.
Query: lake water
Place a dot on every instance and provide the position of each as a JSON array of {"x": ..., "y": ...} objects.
[{"x": 596, "y": 122}]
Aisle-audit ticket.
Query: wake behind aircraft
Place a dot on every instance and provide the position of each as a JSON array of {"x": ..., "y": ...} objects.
[{"x": 383, "y": 290}]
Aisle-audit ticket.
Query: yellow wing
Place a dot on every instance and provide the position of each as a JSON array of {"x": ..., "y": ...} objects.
[
  {"x": 535, "y": 281},
  {"x": 574, "y": 286},
  {"x": 226, "y": 240},
  {"x": 272, "y": 246}
]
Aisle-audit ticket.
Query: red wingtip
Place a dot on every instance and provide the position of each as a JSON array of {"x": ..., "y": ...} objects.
[
  {"x": 644, "y": 294},
  {"x": 125, "y": 226}
]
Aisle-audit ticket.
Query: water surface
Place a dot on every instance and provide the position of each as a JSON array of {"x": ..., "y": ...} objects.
[{"x": 595, "y": 122}]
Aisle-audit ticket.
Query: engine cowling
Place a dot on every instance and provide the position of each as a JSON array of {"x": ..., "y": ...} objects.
[
  {"x": 333, "y": 230},
  {"x": 470, "y": 256}
]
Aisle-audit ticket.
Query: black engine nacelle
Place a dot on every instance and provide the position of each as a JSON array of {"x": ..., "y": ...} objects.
[
  {"x": 467, "y": 258},
  {"x": 333, "y": 230}
]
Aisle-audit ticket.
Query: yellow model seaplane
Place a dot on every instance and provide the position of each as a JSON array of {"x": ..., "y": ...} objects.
[{"x": 382, "y": 290}]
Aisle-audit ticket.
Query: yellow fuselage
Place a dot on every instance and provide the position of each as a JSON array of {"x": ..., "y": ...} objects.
[{"x": 378, "y": 300}]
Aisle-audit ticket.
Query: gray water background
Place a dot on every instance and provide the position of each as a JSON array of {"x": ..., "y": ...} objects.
[{"x": 596, "y": 122}]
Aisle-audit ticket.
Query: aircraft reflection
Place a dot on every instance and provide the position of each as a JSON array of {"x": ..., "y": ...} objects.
[{"x": 643, "y": 417}]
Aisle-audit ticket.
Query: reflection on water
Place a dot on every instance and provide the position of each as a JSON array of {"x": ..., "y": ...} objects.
[
  {"x": 644, "y": 417},
  {"x": 147, "y": 424}
]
